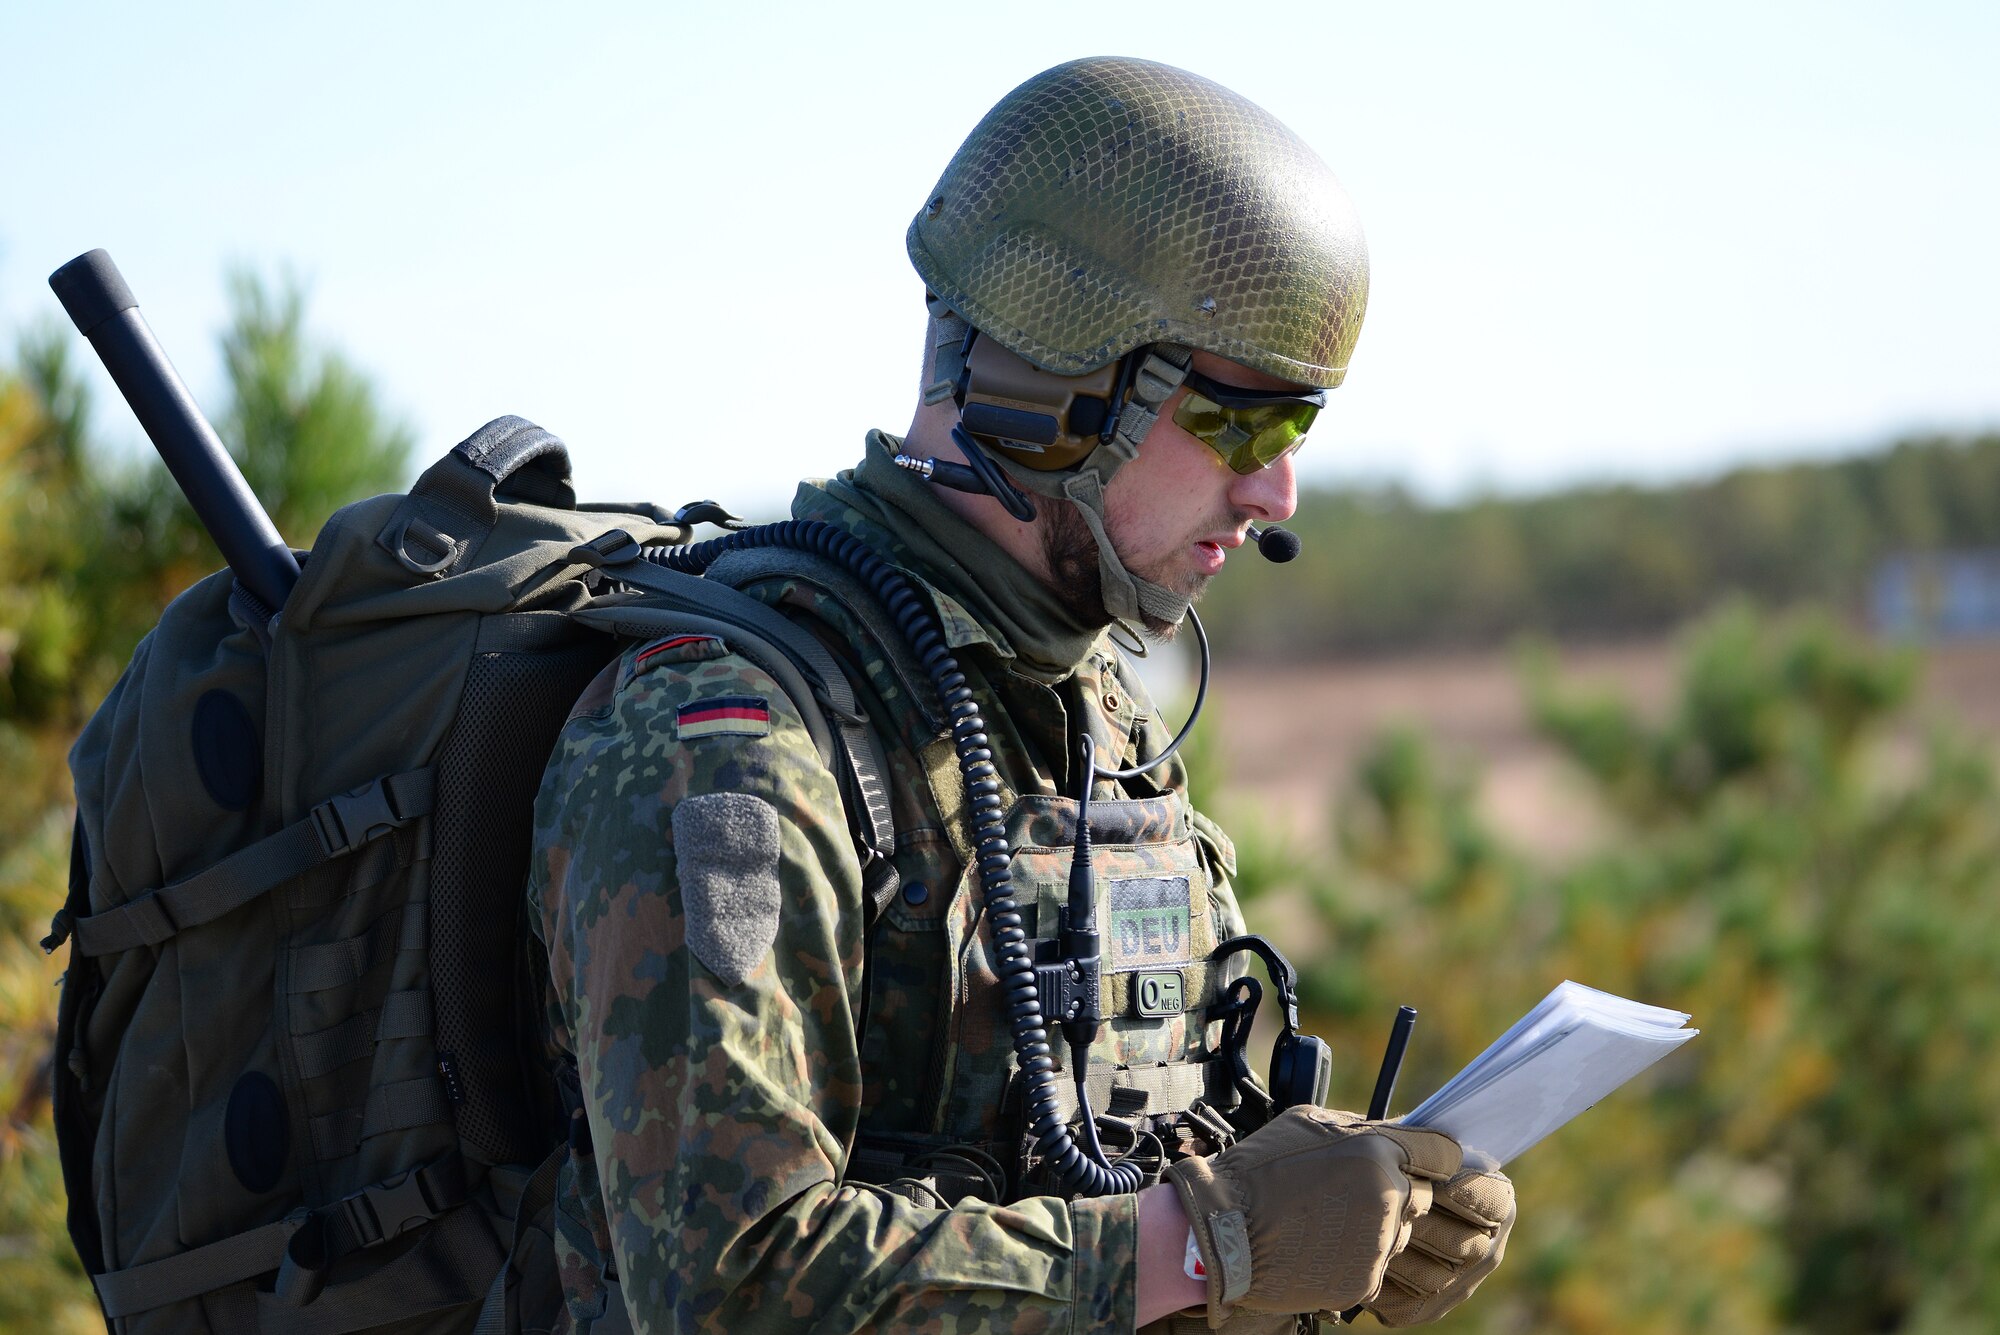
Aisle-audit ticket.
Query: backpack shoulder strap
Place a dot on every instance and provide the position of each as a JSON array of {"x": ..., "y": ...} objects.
[
  {"x": 756, "y": 565},
  {"x": 802, "y": 666},
  {"x": 741, "y": 569}
]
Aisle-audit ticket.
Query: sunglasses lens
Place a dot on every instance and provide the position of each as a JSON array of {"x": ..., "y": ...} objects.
[{"x": 1247, "y": 438}]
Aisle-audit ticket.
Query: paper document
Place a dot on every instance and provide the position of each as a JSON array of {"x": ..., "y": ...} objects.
[{"x": 1577, "y": 1045}]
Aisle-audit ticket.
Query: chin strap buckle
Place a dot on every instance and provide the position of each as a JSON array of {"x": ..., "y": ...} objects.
[{"x": 1159, "y": 374}]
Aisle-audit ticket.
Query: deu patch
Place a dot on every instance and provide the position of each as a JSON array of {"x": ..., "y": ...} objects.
[{"x": 1150, "y": 922}]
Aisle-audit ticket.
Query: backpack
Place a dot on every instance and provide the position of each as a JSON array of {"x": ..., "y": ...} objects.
[{"x": 299, "y": 1075}]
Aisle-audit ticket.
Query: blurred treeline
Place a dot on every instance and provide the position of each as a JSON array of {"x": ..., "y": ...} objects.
[
  {"x": 94, "y": 540},
  {"x": 1381, "y": 571},
  {"x": 1781, "y": 863}
]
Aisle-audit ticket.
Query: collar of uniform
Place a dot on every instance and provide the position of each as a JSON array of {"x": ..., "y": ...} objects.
[{"x": 982, "y": 594}]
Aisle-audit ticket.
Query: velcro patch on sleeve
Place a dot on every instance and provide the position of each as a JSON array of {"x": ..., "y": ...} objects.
[
  {"x": 726, "y": 854},
  {"x": 675, "y": 649},
  {"x": 723, "y": 715}
]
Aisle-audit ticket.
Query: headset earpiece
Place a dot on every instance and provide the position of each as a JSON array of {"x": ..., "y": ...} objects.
[
  {"x": 1037, "y": 418},
  {"x": 1301, "y": 1064},
  {"x": 1301, "y": 1070}
]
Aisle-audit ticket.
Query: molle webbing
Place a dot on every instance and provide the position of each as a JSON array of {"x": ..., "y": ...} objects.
[
  {"x": 332, "y": 829},
  {"x": 393, "y": 1107},
  {"x": 1201, "y": 979},
  {"x": 322, "y": 966},
  {"x": 1168, "y": 1089},
  {"x": 402, "y": 1015}
]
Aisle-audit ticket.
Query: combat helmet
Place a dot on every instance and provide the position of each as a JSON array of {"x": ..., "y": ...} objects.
[{"x": 1106, "y": 220}]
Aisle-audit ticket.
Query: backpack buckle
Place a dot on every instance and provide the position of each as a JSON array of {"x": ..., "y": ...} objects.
[
  {"x": 606, "y": 549},
  {"x": 389, "y": 1209},
  {"x": 347, "y": 820},
  {"x": 368, "y": 1218}
]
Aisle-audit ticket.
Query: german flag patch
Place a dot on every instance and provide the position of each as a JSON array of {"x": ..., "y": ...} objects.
[{"x": 722, "y": 715}]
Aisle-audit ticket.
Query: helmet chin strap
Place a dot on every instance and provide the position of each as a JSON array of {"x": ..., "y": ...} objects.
[
  {"x": 947, "y": 353},
  {"x": 1161, "y": 368},
  {"x": 1127, "y": 597}
]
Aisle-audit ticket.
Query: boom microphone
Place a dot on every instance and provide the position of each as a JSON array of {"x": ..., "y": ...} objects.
[{"x": 1278, "y": 545}]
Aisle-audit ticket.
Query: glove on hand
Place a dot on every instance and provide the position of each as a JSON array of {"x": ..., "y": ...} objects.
[
  {"x": 1242, "y": 1323},
  {"x": 1303, "y": 1215},
  {"x": 1454, "y": 1247}
]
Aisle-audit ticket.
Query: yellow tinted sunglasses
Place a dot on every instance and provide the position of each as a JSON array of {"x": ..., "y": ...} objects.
[{"x": 1249, "y": 428}]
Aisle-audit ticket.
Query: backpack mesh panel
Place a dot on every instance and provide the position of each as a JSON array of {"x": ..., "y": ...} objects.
[{"x": 487, "y": 773}]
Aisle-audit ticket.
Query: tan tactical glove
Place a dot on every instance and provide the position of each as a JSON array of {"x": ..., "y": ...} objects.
[
  {"x": 1242, "y": 1323},
  {"x": 1456, "y": 1245},
  {"x": 1304, "y": 1215}
]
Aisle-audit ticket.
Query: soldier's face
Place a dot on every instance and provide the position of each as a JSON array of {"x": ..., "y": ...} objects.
[{"x": 1177, "y": 510}]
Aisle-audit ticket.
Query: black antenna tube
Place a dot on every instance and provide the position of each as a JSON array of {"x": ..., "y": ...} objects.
[
  {"x": 104, "y": 310},
  {"x": 1392, "y": 1062}
]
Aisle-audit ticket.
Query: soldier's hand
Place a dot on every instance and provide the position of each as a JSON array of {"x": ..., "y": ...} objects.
[
  {"x": 1244, "y": 1322},
  {"x": 1306, "y": 1214},
  {"x": 1451, "y": 1249}
]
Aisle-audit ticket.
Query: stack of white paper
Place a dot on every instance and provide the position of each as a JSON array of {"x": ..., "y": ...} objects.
[{"x": 1577, "y": 1045}]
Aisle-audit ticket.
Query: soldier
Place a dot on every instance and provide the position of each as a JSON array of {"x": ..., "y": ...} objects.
[{"x": 797, "y": 1103}]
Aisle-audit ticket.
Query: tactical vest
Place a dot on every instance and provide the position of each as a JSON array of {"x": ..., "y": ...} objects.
[{"x": 942, "y": 1093}]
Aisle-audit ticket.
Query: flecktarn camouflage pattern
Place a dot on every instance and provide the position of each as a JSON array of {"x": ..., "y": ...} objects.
[
  {"x": 721, "y": 1113},
  {"x": 772, "y": 1137},
  {"x": 1110, "y": 203}
]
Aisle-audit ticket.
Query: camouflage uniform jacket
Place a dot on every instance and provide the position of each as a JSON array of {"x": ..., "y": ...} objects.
[{"x": 743, "y": 1025}]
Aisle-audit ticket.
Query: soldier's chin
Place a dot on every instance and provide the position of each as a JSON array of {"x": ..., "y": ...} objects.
[{"x": 1159, "y": 628}]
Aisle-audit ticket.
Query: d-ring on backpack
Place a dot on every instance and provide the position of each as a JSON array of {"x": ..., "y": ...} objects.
[{"x": 295, "y": 1084}]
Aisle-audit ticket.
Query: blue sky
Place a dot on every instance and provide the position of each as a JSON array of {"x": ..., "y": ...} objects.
[{"x": 1608, "y": 240}]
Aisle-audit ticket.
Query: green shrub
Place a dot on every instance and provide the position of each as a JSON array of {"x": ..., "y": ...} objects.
[{"x": 1823, "y": 1158}]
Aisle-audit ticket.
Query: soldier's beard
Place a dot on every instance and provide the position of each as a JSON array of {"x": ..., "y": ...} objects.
[{"x": 1071, "y": 552}]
